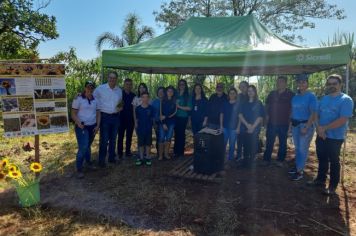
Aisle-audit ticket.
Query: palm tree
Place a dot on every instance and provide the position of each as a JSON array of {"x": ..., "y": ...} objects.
[{"x": 132, "y": 34}]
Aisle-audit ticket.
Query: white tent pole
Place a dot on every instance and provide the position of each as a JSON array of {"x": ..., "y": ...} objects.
[{"x": 347, "y": 77}]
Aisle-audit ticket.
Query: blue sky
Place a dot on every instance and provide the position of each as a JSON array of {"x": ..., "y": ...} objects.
[{"x": 79, "y": 23}]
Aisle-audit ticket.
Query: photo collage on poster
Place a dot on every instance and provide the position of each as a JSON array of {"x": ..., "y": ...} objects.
[{"x": 33, "y": 105}]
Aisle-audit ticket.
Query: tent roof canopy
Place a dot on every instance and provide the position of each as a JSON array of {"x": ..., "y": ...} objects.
[{"x": 224, "y": 46}]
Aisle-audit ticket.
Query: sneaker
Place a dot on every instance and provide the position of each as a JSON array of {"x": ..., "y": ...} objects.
[
  {"x": 148, "y": 162},
  {"x": 329, "y": 191},
  {"x": 138, "y": 162},
  {"x": 292, "y": 171},
  {"x": 297, "y": 176}
]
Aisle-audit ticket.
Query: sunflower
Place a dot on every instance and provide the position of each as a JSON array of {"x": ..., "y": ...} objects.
[
  {"x": 15, "y": 174},
  {"x": 2, "y": 175},
  {"x": 12, "y": 168},
  {"x": 6, "y": 84},
  {"x": 4, "y": 163},
  {"x": 36, "y": 167}
]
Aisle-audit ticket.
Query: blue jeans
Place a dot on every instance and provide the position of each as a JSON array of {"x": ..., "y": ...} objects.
[
  {"x": 230, "y": 136},
  {"x": 166, "y": 135},
  {"x": 301, "y": 144},
  {"x": 271, "y": 133},
  {"x": 85, "y": 138},
  {"x": 109, "y": 127}
]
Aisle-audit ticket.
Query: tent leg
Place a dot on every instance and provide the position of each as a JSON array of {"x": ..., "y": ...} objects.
[
  {"x": 151, "y": 82},
  {"x": 347, "y": 77}
]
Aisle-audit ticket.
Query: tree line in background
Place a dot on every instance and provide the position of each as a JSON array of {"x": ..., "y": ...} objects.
[{"x": 23, "y": 26}]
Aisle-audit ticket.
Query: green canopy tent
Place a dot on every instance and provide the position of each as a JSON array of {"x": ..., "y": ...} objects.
[{"x": 224, "y": 46}]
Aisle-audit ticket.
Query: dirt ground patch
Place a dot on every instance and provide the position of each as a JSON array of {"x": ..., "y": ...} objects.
[{"x": 128, "y": 200}]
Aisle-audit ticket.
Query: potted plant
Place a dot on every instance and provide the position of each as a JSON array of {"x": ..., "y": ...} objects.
[{"x": 26, "y": 184}]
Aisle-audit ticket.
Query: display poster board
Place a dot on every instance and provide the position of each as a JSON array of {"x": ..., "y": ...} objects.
[{"x": 33, "y": 98}]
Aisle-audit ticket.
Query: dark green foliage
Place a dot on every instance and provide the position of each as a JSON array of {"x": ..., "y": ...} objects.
[
  {"x": 23, "y": 27},
  {"x": 282, "y": 16}
]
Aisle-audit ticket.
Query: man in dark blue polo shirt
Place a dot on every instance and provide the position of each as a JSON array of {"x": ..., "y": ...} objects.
[{"x": 126, "y": 120}]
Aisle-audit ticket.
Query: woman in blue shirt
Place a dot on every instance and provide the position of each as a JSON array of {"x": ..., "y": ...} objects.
[
  {"x": 251, "y": 116},
  {"x": 156, "y": 103},
  {"x": 183, "y": 108},
  {"x": 168, "y": 110},
  {"x": 229, "y": 120},
  {"x": 304, "y": 107},
  {"x": 199, "y": 116}
]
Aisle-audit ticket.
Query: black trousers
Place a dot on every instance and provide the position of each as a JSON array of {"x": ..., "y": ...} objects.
[
  {"x": 250, "y": 146},
  {"x": 328, "y": 152},
  {"x": 239, "y": 139},
  {"x": 179, "y": 135},
  {"x": 126, "y": 126}
]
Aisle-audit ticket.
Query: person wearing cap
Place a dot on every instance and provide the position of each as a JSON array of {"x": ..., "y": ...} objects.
[
  {"x": 333, "y": 114},
  {"x": 304, "y": 107},
  {"x": 86, "y": 116},
  {"x": 215, "y": 104},
  {"x": 109, "y": 98},
  {"x": 278, "y": 111}
]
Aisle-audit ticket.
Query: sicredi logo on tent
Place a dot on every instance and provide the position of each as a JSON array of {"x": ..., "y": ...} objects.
[{"x": 308, "y": 57}]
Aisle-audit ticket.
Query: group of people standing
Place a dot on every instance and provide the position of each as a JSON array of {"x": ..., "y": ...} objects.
[
  {"x": 240, "y": 116},
  {"x": 303, "y": 114}
]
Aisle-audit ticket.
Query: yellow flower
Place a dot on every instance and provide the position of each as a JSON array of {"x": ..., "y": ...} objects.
[
  {"x": 2, "y": 175},
  {"x": 36, "y": 167},
  {"x": 4, "y": 163},
  {"x": 15, "y": 174},
  {"x": 12, "y": 168}
]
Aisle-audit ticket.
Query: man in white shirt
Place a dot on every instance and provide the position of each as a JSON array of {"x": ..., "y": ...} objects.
[{"x": 109, "y": 98}]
